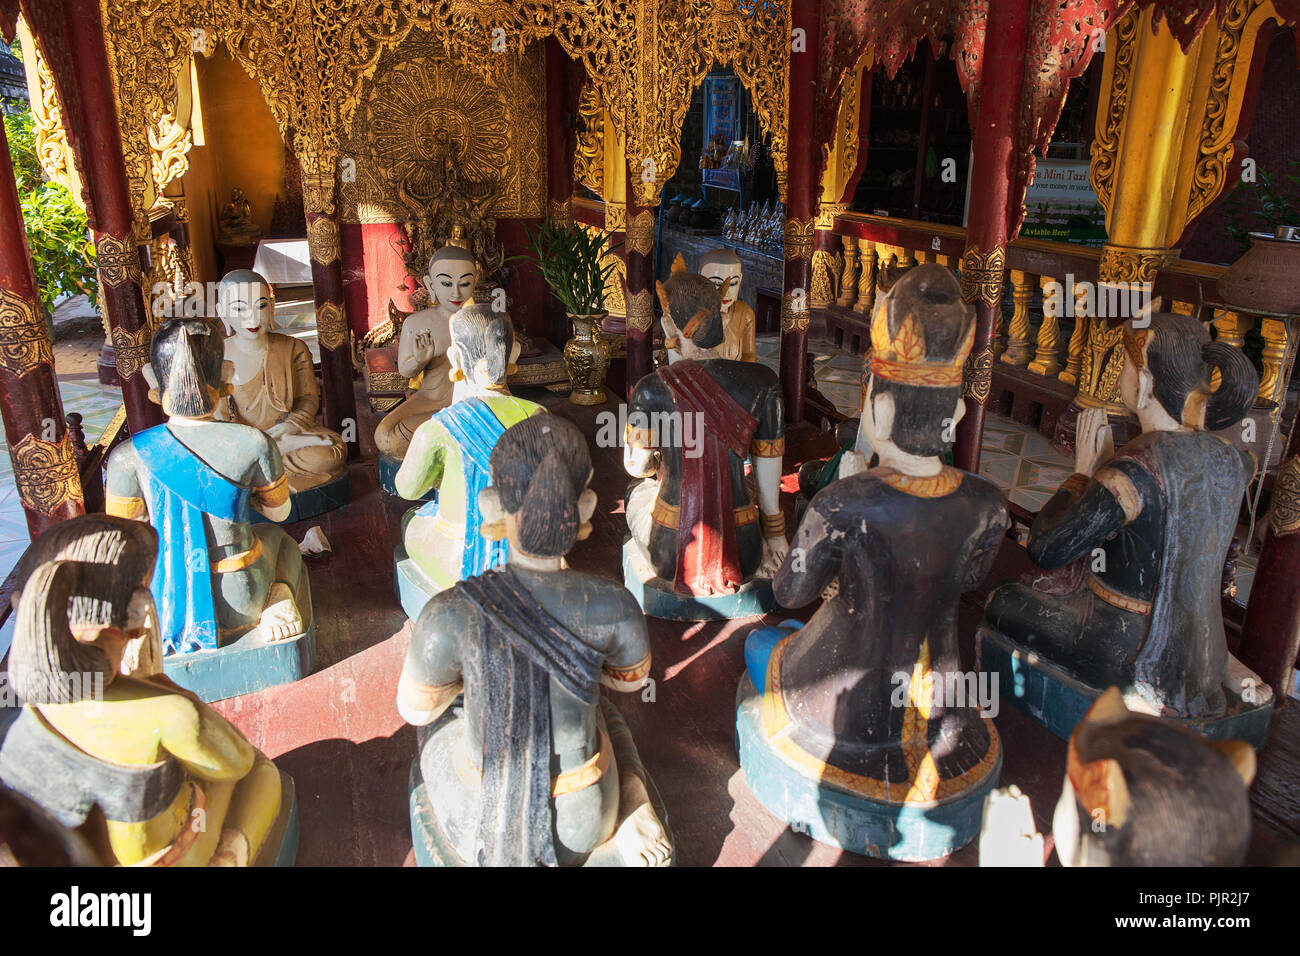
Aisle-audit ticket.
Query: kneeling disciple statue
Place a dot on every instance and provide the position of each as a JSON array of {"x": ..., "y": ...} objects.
[
  {"x": 704, "y": 541},
  {"x": 451, "y": 452},
  {"x": 1138, "y": 540},
  {"x": 143, "y": 770},
  {"x": 234, "y": 603},
  {"x": 859, "y": 728},
  {"x": 535, "y": 768},
  {"x": 273, "y": 388}
]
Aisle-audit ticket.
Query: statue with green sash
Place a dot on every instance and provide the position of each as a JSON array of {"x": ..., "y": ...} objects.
[{"x": 441, "y": 539}]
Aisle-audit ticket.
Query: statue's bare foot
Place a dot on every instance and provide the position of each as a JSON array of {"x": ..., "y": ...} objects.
[
  {"x": 281, "y": 619},
  {"x": 232, "y": 849},
  {"x": 641, "y": 838}
]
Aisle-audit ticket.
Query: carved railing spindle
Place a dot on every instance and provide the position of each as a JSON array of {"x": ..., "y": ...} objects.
[
  {"x": 1046, "y": 360},
  {"x": 1276, "y": 336},
  {"x": 866, "y": 276},
  {"x": 849, "y": 276},
  {"x": 1019, "y": 351},
  {"x": 1078, "y": 338}
]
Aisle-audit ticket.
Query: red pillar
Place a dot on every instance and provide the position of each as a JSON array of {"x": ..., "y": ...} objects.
[
  {"x": 71, "y": 36},
  {"x": 1270, "y": 633},
  {"x": 45, "y": 468},
  {"x": 338, "y": 397},
  {"x": 640, "y": 246},
  {"x": 983, "y": 264},
  {"x": 803, "y": 171}
]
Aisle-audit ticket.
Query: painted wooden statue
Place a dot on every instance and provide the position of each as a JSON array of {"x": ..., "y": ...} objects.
[
  {"x": 694, "y": 521},
  {"x": 145, "y": 772},
  {"x": 1139, "y": 539},
  {"x": 535, "y": 768},
  {"x": 422, "y": 348},
  {"x": 849, "y": 727},
  {"x": 219, "y": 579},
  {"x": 451, "y": 452},
  {"x": 1142, "y": 791},
  {"x": 273, "y": 384},
  {"x": 723, "y": 268}
]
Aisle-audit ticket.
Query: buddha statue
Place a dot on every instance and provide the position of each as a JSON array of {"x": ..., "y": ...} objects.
[
  {"x": 451, "y": 452},
  {"x": 143, "y": 771},
  {"x": 858, "y": 727},
  {"x": 219, "y": 579},
  {"x": 422, "y": 348},
  {"x": 235, "y": 223},
  {"x": 1135, "y": 541},
  {"x": 273, "y": 384},
  {"x": 1142, "y": 791},
  {"x": 535, "y": 768},
  {"x": 695, "y": 523},
  {"x": 722, "y": 267}
]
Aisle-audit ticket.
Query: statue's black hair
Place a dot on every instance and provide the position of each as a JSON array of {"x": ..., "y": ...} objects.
[
  {"x": 540, "y": 467},
  {"x": 1182, "y": 360},
  {"x": 186, "y": 356},
  {"x": 688, "y": 293},
  {"x": 483, "y": 334}
]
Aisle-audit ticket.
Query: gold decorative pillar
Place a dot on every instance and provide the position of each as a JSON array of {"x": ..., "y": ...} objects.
[
  {"x": 849, "y": 278},
  {"x": 1047, "y": 361},
  {"x": 1276, "y": 336},
  {"x": 1082, "y": 324},
  {"x": 1163, "y": 152}
]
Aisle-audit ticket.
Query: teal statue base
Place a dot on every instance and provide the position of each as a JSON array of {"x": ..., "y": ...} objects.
[
  {"x": 658, "y": 599},
  {"x": 886, "y": 829},
  {"x": 1058, "y": 701},
  {"x": 281, "y": 845},
  {"x": 414, "y": 587},
  {"x": 243, "y": 666},
  {"x": 335, "y": 493}
]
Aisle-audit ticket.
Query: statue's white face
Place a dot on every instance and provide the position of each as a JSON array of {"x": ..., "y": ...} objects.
[
  {"x": 727, "y": 279},
  {"x": 247, "y": 309},
  {"x": 451, "y": 282}
]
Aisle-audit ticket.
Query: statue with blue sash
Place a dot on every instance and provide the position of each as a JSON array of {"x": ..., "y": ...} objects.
[
  {"x": 441, "y": 539},
  {"x": 219, "y": 580}
]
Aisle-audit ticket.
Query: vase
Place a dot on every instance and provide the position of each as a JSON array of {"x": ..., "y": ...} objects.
[
  {"x": 586, "y": 357},
  {"x": 1267, "y": 277}
]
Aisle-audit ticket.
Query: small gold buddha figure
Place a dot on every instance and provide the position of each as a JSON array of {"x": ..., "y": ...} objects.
[
  {"x": 422, "y": 348},
  {"x": 722, "y": 267},
  {"x": 236, "y": 221},
  {"x": 273, "y": 384}
]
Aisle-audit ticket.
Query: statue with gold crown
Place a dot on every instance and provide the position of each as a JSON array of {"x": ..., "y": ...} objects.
[
  {"x": 273, "y": 388},
  {"x": 704, "y": 541},
  {"x": 441, "y": 539},
  {"x": 234, "y": 602},
  {"x": 723, "y": 268},
  {"x": 422, "y": 352},
  {"x": 144, "y": 773},
  {"x": 535, "y": 767},
  {"x": 848, "y": 727}
]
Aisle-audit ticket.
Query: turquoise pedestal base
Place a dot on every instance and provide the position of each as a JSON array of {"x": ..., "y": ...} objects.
[
  {"x": 281, "y": 846},
  {"x": 658, "y": 599},
  {"x": 388, "y": 468},
  {"x": 247, "y": 665},
  {"x": 414, "y": 587},
  {"x": 315, "y": 501},
  {"x": 1058, "y": 701},
  {"x": 894, "y": 831}
]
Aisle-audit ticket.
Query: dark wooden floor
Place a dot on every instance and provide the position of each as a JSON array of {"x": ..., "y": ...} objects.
[{"x": 338, "y": 733}]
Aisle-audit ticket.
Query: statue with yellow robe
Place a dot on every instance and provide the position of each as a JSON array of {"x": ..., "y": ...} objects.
[
  {"x": 722, "y": 267},
  {"x": 146, "y": 773},
  {"x": 272, "y": 384}
]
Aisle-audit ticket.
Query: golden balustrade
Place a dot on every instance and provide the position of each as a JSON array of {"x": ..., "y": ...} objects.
[{"x": 1042, "y": 309}]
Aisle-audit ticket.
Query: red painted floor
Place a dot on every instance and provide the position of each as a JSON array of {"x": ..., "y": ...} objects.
[{"x": 338, "y": 733}]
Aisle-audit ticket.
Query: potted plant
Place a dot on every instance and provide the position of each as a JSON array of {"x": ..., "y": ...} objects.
[{"x": 572, "y": 260}]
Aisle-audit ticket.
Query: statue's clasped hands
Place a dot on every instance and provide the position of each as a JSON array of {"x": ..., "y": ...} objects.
[
  {"x": 1094, "y": 442},
  {"x": 288, "y": 437}
]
